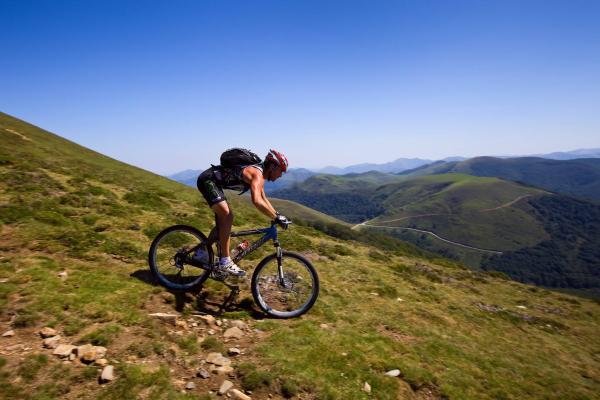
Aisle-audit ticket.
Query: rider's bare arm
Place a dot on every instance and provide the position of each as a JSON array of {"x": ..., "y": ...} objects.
[{"x": 257, "y": 189}]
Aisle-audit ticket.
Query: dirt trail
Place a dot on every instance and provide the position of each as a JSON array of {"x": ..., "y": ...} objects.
[
  {"x": 18, "y": 134},
  {"x": 505, "y": 205}
]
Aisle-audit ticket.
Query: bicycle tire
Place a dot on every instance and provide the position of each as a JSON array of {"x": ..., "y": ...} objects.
[
  {"x": 264, "y": 306},
  {"x": 154, "y": 268}
]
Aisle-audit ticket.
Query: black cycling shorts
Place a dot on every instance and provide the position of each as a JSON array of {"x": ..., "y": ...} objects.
[{"x": 207, "y": 185}]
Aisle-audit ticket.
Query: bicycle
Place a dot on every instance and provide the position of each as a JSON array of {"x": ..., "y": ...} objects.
[{"x": 284, "y": 284}]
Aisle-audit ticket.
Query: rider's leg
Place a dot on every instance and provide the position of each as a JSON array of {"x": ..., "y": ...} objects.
[{"x": 224, "y": 223}]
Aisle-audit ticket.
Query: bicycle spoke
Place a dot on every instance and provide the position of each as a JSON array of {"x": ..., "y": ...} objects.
[{"x": 286, "y": 295}]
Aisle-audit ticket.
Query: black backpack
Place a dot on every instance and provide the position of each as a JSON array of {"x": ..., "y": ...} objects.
[{"x": 237, "y": 157}]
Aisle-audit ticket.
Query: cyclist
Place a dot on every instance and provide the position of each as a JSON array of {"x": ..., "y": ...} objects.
[{"x": 243, "y": 177}]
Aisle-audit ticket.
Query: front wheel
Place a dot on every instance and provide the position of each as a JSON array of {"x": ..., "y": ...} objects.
[{"x": 288, "y": 290}]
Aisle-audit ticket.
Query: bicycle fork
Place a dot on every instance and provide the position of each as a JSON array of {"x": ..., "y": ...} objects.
[{"x": 280, "y": 263}]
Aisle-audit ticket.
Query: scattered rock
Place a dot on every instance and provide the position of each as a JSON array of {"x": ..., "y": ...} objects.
[
  {"x": 324, "y": 326},
  {"x": 14, "y": 347},
  {"x": 239, "y": 324},
  {"x": 169, "y": 318},
  {"x": 107, "y": 374},
  {"x": 10, "y": 333},
  {"x": 366, "y": 388},
  {"x": 225, "y": 386},
  {"x": 102, "y": 362},
  {"x": 63, "y": 275},
  {"x": 181, "y": 324},
  {"x": 100, "y": 351},
  {"x": 190, "y": 386},
  {"x": 522, "y": 307},
  {"x": 224, "y": 370},
  {"x": 72, "y": 357},
  {"x": 168, "y": 297},
  {"x": 211, "y": 332},
  {"x": 233, "y": 332},
  {"x": 218, "y": 359},
  {"x": 47, "y": 332},
  {"x": 208, "y": 320},
  {"x": 237, "y": 395},
  {"x": 3, "y": 280},
  {"x": 202, "y": 373},
  {"x": 219, "y": 322},
  {"x": 194, "y": 324},
  {"x": 234, "y": 351},
  {"x": 51, "y": 342},
  {"x": 64, "y": 350},
  {"x": 393, "y": 373}
]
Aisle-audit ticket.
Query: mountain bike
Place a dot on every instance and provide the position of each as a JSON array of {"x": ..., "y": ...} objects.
[{"x": 284, "y": 284}]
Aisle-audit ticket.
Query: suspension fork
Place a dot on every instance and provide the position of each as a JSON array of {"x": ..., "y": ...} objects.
[{"x": 279, "y": 262}]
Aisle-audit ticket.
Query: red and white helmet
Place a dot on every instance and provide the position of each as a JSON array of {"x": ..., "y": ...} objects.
[{"x": 278, "y": 158}]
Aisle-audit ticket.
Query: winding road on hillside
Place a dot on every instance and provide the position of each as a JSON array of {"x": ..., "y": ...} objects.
[{"x": 505, "y": 205}]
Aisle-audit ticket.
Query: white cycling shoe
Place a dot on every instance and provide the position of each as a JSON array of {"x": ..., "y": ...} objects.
[{"x": 232, "y": 269}]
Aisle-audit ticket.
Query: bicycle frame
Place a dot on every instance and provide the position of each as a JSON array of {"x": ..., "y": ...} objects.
[{"x": 269, "y": 234}]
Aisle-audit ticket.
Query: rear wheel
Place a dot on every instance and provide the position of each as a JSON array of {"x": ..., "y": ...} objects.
[
  {"x": 287, "y": 296},
  {"x": 170, "y": 258}
]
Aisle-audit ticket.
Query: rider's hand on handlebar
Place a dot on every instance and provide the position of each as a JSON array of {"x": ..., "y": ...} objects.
[{"x": 282, "y": 221}]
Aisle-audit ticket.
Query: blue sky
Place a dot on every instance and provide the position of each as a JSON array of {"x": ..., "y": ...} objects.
[{"x": 168, "y": 85}]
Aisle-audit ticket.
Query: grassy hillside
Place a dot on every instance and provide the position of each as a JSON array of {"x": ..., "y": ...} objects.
[
  {"x": 75, "y": 229},
  {"x": 579, "y": 178},
  {"x": 466, "y": 209},
  {"x": 347, "y": 197}
]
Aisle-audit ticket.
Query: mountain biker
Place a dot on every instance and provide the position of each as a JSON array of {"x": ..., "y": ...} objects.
[{"x": 240, "y": 177}]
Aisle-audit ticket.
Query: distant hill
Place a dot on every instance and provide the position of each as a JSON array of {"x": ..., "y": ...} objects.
[
  {"x": 571, "y": 155},
  {"x": 577, "y": 177},
  {"x": 398, "y": 165},
  {"x": 347, "y": 197}
]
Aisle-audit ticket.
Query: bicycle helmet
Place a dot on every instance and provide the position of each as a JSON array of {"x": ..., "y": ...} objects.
[{"x": 278, "y": 158}]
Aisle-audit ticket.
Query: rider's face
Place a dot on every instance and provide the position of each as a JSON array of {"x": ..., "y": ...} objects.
[{"x": 275, "y": 173}]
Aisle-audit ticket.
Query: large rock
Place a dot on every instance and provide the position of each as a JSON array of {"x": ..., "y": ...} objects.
[
  {"x": 225, "y": 386},
  {"x": 218, "y": 359},
  {"x": 64, "y": 350},
  {"x": 169, "y": 318},
  {"x": 239, "y": 324},
  {"x": 237, "y": 395},
  {"x": 10, "y": 333},
  {"x": 101, "y": 362},
  {"x": 233, "y": 332},
  {"x": 51, "y": 342},
  {"x": 202, "y": 373},
  {"x": 234, "y": 351},
  {"x": 208, "y": 320},
  {"x": 88, "y": 353},
  {"x": 393, "y": 373},
  {"x": 100, "y": 351},
  {"x": 47, "y": 332},
  {"x": 108, "y": 374},
  {"x": 223, "y": 370},
  {"x": 190, "y": 386}
]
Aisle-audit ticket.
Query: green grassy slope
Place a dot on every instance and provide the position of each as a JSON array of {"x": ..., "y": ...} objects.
[
  {"x": 347, "y": 197},
  {"x": 464, "y": 209},
  {"x": 452, "y": 332},
  {"x": 580, "y": 177}
]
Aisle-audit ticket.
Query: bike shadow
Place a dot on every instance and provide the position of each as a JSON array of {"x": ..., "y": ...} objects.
[{"x": 204, "y": 302}]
